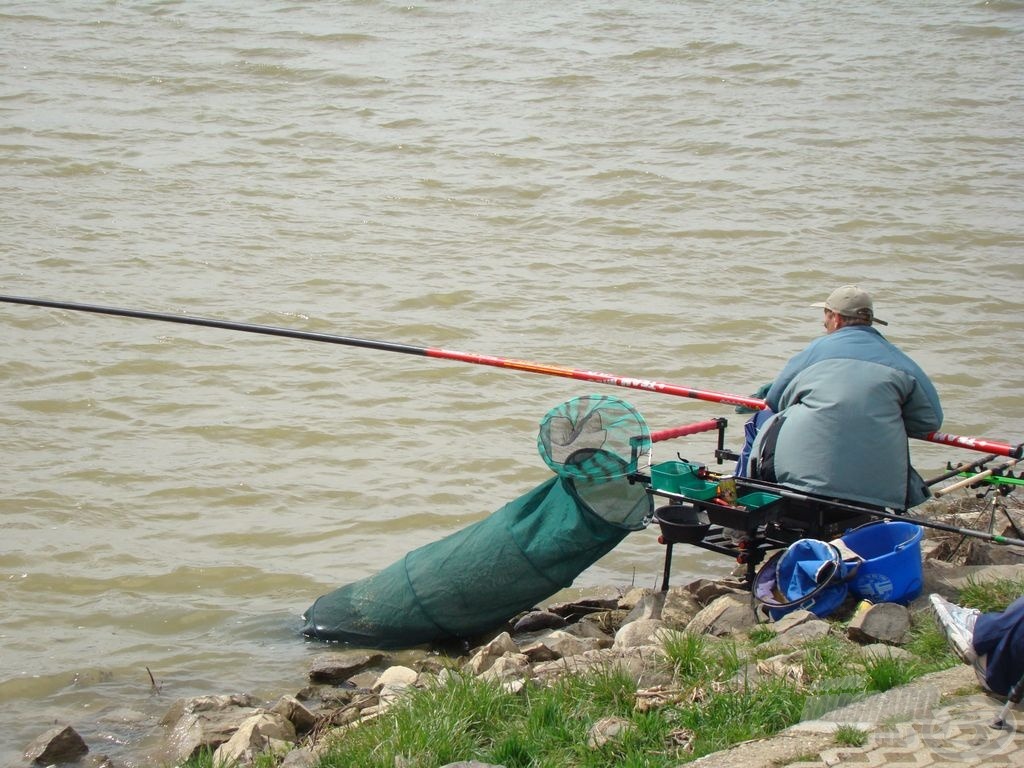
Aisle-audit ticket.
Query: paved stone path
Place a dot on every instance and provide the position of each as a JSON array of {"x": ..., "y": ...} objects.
[
  {"x": 938, "y": 721},
  {"x": 958, "y": 734}
]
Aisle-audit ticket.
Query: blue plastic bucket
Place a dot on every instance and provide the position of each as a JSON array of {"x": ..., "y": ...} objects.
[{"x": 892, "y": 570}]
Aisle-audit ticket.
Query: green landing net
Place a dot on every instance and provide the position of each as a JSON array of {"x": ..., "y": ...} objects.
[{"x": 476, "y": 579}]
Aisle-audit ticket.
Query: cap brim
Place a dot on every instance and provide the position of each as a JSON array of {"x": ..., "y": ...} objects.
[{"x": 824, "y": 305}]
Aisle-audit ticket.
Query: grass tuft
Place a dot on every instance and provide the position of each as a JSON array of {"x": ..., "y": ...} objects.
[
  {"x": 991, "y": 595},
  {"x": 851, "y": 736},
  {"x": 687, "y": 652},
  {"x": 762, "y": 633},
  {"x": 885, "y": 672}
]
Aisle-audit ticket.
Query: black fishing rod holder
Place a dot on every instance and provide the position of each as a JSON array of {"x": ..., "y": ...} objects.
[{"x": 748, "y": 520}]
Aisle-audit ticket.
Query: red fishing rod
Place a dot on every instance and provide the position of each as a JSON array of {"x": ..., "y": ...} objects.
[{"x": 648, "y": 385}]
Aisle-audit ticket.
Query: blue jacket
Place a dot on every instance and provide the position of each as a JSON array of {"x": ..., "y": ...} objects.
[{"x": 847, "y": 404}]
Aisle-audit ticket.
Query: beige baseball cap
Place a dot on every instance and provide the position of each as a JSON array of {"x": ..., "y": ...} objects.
[{"x": 851, "y": 301}]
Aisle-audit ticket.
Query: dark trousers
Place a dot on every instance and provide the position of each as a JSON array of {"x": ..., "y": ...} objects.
[{"x": 1000, "y": 638}]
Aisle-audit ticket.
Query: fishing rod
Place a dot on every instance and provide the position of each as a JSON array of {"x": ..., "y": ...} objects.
[
  {"x": 972, "y": 443},
  {"x": 810, "y": 497},
  {"x": 972, "y": 480},
  {"x": 961, "y": 469}
]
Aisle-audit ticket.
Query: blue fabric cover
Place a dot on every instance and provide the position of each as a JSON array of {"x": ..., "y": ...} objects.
[{"x": 809, "y": 575}]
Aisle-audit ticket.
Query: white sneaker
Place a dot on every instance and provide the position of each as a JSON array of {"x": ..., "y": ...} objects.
[{"x": 958, "y": 624}]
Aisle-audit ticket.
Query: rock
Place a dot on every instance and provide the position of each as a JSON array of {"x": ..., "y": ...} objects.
[
  {"x": 537, "y": 620},
  {"x": 607, "y": 729},
  {"x": 882, "y": 623},
  {"x": 726, "y": 615},
  {"x": 679, "y": 608},
  {"x": 61, "y": 744},
  {"x": 537, "y": 652},
  {"x": 882, "y": 651},
  {"x": 985, "y": 553},
  {"x": 300, "y": 758},
  {"x": 486, "y": 655},
  {"x": 576, "y": 610},
  {"x": 947, "y": 581},
  {"x": 707, "y": 590},
  {"x": 394, "y": 682},
  {"x": 799, "y": 634},
  {"x": 636, "y": 633},
  {"x": 338, "y": 667},
  {"x": 206, "y": 722},
  {"x": 511, "y": 666},
  {"x": 792, "y": 619},
  {"x": 563, "y": 643},
  {"x": 629, "y": 600},
  {"x": 296, "y": 713},
  {"x": 648, "y": 607},
  {"x": 396, "y": 678},
  {"x": 257, "y": 734}
]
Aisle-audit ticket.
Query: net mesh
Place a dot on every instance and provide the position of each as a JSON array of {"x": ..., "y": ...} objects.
[
  {"x": 593, "y": 438},
  {"x": 471, "y": 581}
]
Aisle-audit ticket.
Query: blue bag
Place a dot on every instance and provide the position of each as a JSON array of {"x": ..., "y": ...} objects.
[{"x": 809, "y": 575}]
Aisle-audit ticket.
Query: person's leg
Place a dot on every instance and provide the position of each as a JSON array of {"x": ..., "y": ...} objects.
[
  {"x": 990, "y": 628},
  {"x": 1000, "y": 637}
]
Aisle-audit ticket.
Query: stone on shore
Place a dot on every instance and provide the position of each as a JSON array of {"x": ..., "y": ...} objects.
[
  {"x": 61, "y": 744},
  {"x": 262, "y": 732},
  {"x": 340, "y": 666},
  {"x": 625, "y": 633},
  {"x": 881, "y": 623},
  {"x": 206, "y": 722},
  {"x": 728, "y": 614}
]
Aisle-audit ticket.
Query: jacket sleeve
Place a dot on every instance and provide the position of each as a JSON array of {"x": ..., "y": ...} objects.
[
  {"x": 797, "y": 363},
  {"x": 922, "y": 412}
]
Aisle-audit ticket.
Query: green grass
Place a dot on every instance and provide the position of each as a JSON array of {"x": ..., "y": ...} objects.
[
  {"x": 475, "y": 719},
  {"x": 712, "y": 704},
  {"x": 886, "y": 672},
  {"x": 928, "y": 643},
  {"x": 850, "y": 736},
  {"x": 547, "y": 726},
  {"x": 543, "y": 726},
  {"x": 991, "y": 595},
  {"x": 830, "y": 657},
  {"x": 762, "y": 633},
  {"x": 688, "y": 655}
]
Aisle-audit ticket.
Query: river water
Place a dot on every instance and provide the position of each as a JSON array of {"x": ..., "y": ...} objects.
[{"x": 651, "y": 189}]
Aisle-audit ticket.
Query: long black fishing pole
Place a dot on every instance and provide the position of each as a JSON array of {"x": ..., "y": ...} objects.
[
  {"x": 973, "y": 443},
  {"x": 798, "y": 496}
]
